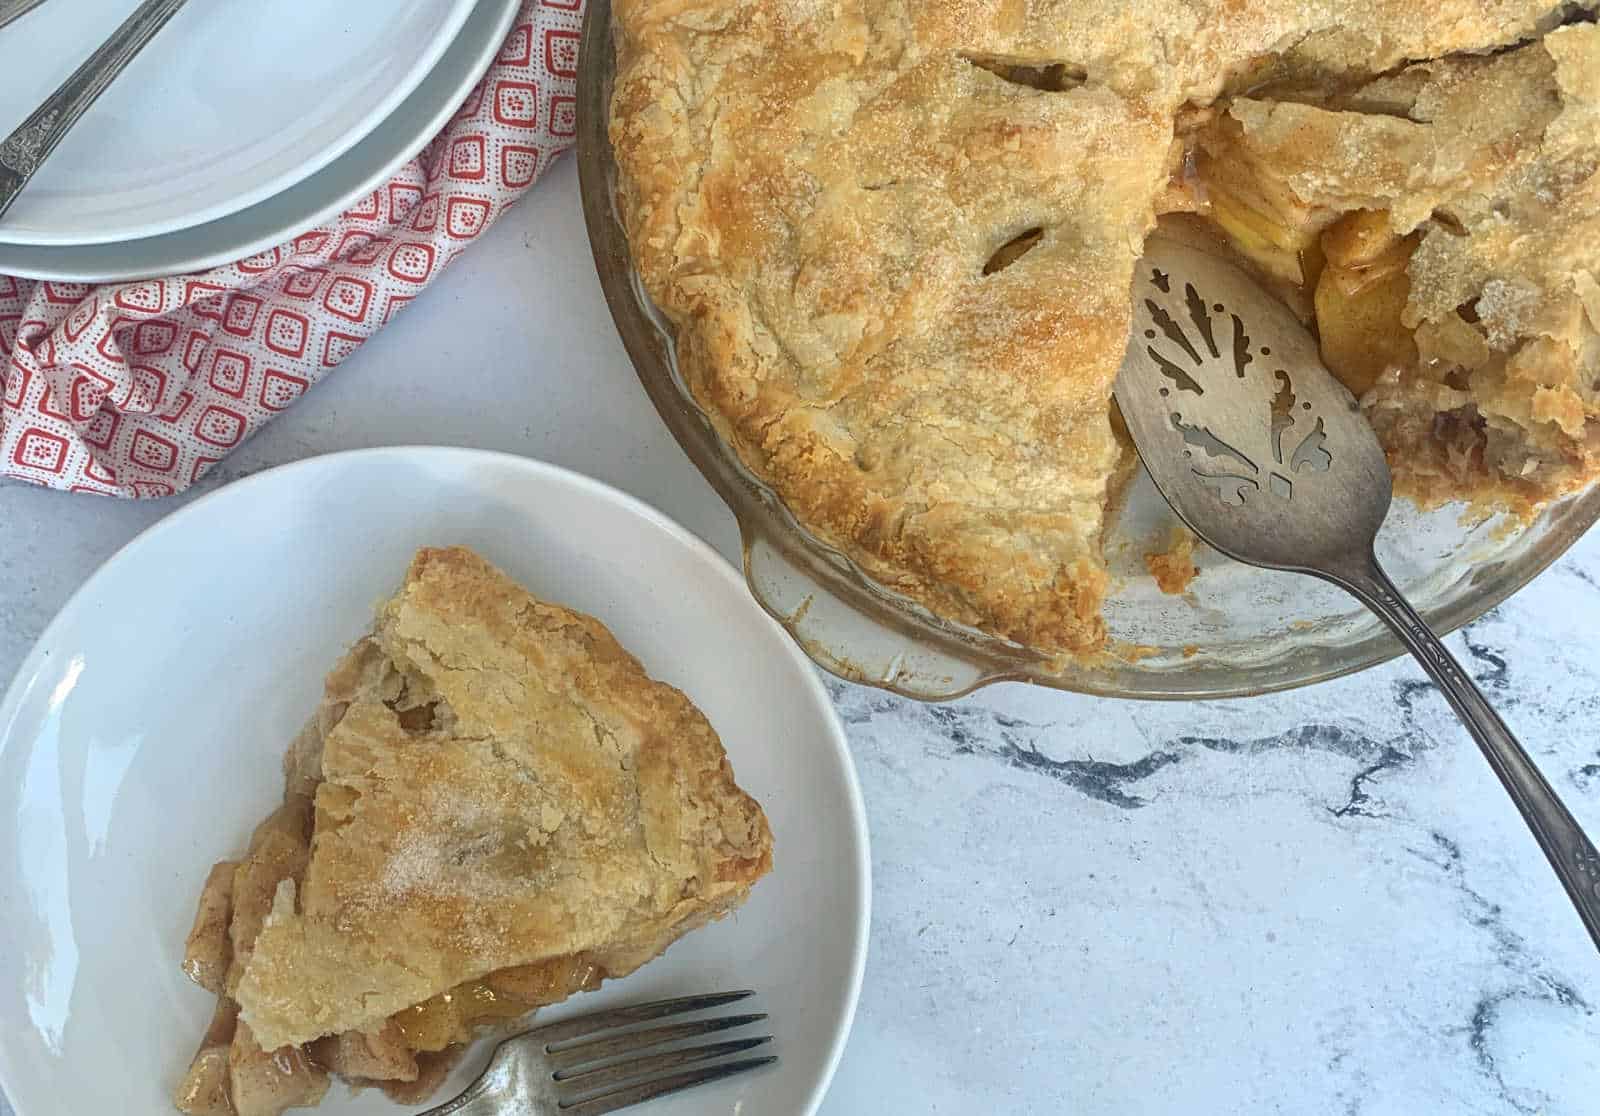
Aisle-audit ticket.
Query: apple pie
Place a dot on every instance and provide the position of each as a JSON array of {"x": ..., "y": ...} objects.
[
  {"x": 493, "y": 807},
  {"x": 896, "y": 238}
]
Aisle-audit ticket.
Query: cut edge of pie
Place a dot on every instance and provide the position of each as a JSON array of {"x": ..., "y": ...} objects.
[
  {"x": 493, "y": 807},
  {"x": 896, "y": 241}
]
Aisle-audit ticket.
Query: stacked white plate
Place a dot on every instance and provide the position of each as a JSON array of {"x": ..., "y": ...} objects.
[{"x": 240, "y": 124}]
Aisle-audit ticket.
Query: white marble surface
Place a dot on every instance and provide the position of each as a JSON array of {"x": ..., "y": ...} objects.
[{"x": 1313, "y": 903}]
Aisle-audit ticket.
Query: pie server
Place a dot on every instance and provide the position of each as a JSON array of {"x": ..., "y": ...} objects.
[{"x": 1268, "y": 459}]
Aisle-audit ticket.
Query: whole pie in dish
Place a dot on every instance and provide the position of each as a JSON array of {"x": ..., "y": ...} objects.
[
  {"x": 896, "y": 239},
  {"x": 494, "y": 807}
]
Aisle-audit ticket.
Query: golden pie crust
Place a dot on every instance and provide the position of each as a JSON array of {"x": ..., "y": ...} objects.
[
  {"x": 494, "y": 807},
  {"x": 896, "y": 239}
]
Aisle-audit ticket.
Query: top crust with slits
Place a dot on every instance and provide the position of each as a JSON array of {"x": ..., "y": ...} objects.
[{"x": 816, "y": 191}]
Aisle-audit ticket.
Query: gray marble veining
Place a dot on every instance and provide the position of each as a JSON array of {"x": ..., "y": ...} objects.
[
  {"x": 1311, "y": 903},
  {"x": 1318, "y": 902}
]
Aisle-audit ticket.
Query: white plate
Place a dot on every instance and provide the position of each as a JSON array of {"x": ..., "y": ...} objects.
[
  {"x": 234, "y": 101},
  {"x": 319, "y": 198},
  {"x": 141, "y": 741}
]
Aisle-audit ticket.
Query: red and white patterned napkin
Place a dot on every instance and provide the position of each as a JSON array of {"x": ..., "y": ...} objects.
[{"x": 137, "y": 389}]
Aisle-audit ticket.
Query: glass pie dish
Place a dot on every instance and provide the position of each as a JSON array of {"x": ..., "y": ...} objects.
[{"x": 1237, "y": 631}]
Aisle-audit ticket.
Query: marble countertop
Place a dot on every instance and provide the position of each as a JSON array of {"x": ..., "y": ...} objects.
[{"x": 1319, "y": 902}]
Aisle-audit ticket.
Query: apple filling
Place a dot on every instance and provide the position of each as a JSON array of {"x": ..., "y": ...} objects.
[
  {"x": 1344, "y": 273},
  {"x": 1435, "y": 228}
]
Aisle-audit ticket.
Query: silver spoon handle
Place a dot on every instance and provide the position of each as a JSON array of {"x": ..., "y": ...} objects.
[
  {"x": 1570, "y": 851},
  {"x": 24, "y": 150}
]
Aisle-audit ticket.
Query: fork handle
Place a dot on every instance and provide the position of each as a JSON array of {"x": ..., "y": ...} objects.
[
  {"x": 1569, "y": 850},
  {"x": 24, "y": 150},
  {"x": 15, "y": 9}
]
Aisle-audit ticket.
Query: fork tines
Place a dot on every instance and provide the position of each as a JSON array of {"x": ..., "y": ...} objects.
[
  {"x": 599, "y": 1068},
  {"x": 660, "y": 1087},
  {"x": 587, "y": 1025}
]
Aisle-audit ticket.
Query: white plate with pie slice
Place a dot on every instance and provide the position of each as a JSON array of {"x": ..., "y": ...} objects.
[
  {"x": 233, "y": 102},
  {"x": 142, "y": 739}
]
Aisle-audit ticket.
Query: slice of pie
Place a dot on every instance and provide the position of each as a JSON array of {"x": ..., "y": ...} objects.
[
  {"x": 494, "y": 807},
  {"x": 895, "y": 239}
]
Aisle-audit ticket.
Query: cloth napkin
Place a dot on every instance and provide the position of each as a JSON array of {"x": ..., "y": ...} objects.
[{"x": 137, "y": 389}]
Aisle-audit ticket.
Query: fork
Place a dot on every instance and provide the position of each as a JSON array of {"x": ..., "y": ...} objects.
[
  {"x": 589, "y": 1066},
  {"x": 24, "y": 150}
]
